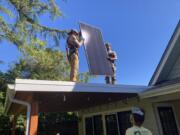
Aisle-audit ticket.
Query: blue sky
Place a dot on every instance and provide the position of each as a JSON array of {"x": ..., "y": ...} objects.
[{"x": 139, "y": 31}]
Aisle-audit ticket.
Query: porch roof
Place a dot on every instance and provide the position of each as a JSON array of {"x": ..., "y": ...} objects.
[
  {"x": 167, "y": 88},
  {"x": 61, "y": 96}
]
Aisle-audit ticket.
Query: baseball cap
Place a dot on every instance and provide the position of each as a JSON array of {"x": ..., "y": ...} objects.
[
  {"x": 137, "y": 110},
  {"x": 72, "y": 31}
]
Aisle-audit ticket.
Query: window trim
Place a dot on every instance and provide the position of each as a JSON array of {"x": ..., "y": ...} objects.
[
  {"x": 101, "y": 120},
  {"x": 84, "y": 124},
  {"x": 114, "y": 113},
  {"x": 103, "y": 114},
  {"x": 156, "y": 105}
]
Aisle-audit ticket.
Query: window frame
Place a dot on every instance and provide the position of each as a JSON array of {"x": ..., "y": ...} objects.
[
  {"x": 158, "y": 117},
  {"x": 84, "y": 124},
  {"x": 93, "y": 117},
  {"x": 118, "y": 120},
  {"x": 103, "y": 114},
  {"x": 115, "y": 113}
]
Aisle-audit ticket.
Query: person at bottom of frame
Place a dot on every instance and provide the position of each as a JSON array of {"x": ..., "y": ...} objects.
[
  {"x": 74, "y": 41},
  {"x": 137, "y": 118},
  {"x": 112, "y": 57}
]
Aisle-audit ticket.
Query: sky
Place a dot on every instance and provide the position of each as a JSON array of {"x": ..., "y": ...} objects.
[{"x": 139, "y": 31}]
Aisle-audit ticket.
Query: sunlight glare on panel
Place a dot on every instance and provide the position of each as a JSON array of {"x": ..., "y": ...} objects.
[{"x": 86, "y": 36}]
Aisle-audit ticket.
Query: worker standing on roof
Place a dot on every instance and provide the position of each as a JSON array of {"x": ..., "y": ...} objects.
[
  {"x": 137, "y": 118},
  {"x": 74, "y": 41},
  {"x": 112, "y": 56}
]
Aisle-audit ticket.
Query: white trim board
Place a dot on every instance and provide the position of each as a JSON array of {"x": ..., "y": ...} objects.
[
  {"x": 62, "y": 86},
  {"x": 170, "y": 89}
]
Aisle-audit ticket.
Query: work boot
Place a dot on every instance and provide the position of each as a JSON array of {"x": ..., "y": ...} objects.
[
  {"x": 113, "y": 80},
  {"x": 107, "y": 78}
]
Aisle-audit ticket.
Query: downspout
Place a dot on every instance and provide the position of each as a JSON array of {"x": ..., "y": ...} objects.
[{"x": 28, "y": 114}]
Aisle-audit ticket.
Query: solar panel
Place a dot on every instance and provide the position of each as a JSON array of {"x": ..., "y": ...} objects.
[{"x": 95, "y": 51}]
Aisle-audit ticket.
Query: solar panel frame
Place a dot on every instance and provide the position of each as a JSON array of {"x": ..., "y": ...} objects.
[{"x": 95, "y": 50}]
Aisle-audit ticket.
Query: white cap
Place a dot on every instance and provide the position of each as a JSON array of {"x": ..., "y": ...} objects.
[{"x": 137, "y": 110}]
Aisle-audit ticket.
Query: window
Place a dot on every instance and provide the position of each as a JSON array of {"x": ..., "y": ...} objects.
[
  {"x": 116, "y": 123},
  {"x": 167, "y": 120},
  {"x": 89, "y": 126},
  {"x": 124, "y": 121},
  {"x": 93, "y": 125},
  {"x": 98, "y": 126},
  {"x": 111, "y": 125}
]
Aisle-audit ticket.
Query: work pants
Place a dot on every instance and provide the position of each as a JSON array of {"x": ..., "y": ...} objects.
[
  {"x": 111, "y": 79},
  {"x": 74, "y": 62}
]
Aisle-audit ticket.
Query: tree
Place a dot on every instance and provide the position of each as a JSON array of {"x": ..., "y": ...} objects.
[
  {"x": 25, "y": 27},
  {"x": 5, "y": 124},
  {"x": 39, "y": 62}
]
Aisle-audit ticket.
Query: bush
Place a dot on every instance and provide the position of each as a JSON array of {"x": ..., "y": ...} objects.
[{"x": 5, "y": 125}]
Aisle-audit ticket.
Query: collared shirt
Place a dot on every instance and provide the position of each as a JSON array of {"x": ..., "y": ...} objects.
[{"x": 138, "y": 131}]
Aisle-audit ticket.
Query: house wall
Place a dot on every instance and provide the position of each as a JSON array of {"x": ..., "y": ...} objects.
[
  {"x": 150, "y": 120},
  {"x": 149, "y": 105},
  {"x": 176, "y": 105},
  {"x": 172, "y": 100}
]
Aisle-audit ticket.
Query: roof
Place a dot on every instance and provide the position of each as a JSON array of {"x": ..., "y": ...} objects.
[
  {"x": 60, "y": 96},
  {"x": 161, "y": 90},
  {"x": 168, "y": 58}
]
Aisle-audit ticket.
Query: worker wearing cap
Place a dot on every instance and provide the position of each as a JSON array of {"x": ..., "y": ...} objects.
[
  {"x": 137, "y": 118},
  {"x": 111, "y": 58},
  {"x": 73, "y": 43}
]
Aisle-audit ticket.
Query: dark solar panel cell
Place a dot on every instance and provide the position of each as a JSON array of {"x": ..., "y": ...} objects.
[{"x": 95, "y": 50}]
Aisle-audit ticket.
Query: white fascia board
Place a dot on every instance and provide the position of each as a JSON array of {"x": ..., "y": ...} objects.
[
  {"x": 174, "y": 88},
  {"x": 32, "y": 81},
  {"x": 62, "y": 86}
]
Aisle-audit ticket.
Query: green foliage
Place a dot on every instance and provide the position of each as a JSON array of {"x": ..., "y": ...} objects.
[
  {"x": 83, "y": 77},
  {"x": 26, "y": 27},
  {"x": 39, "y": 62},
  {"x": 2, "y": 99},
  {"x": 49, "y": 120},
  {"x": 25, "y": 31},
  {"x": 4, "y": 79},
  {"x": 5, "y": 124},
  {"x": 20, "y": 125}
]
